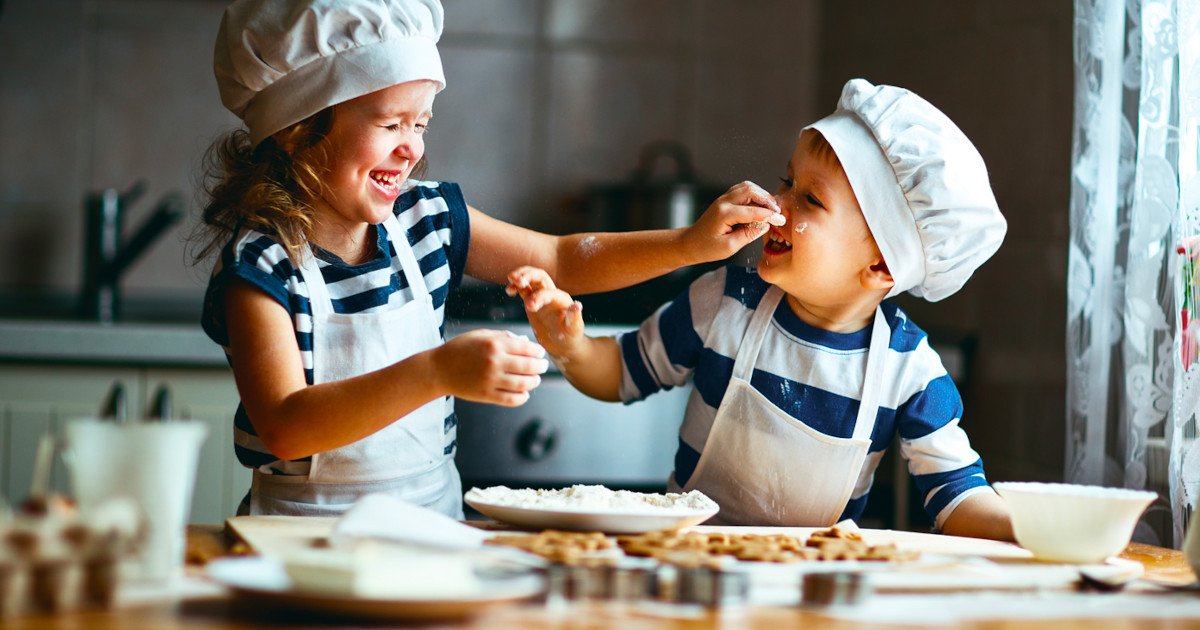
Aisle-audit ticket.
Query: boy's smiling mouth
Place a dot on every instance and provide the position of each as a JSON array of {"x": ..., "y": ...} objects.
[{"x": 776, "y": 244}]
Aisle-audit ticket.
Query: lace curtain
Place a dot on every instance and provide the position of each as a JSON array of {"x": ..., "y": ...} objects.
[{"x": 1133, "y": 383}]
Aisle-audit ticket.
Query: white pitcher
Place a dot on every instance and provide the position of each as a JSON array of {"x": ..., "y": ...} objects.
[{"x": 152, "y": 463}]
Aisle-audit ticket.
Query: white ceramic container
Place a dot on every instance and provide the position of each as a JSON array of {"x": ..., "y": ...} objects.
[{"x": 1073, "y": 523}]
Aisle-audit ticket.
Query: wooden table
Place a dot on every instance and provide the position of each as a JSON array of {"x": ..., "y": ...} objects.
[{"x": 221, "y": 612}]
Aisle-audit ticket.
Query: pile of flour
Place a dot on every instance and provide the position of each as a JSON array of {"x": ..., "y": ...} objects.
[{"x": 580, "y": 498}]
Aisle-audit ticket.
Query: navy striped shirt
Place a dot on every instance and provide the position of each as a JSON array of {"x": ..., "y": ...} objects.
[
  {"x": 435, "y": 220},
  {"x": 814, "y": 375}
]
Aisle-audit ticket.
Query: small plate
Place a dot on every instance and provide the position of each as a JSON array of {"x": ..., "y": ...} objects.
[
  {"x": 263, "y": 580},
  {"x": 607, "y": 522}
]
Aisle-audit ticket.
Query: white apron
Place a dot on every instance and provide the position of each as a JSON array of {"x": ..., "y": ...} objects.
[
  {"x": 406, "y": 458},
  {"x": 764, "y": 467}
]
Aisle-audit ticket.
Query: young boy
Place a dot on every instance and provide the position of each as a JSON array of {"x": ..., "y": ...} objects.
[{"x": 803, "y": 373}]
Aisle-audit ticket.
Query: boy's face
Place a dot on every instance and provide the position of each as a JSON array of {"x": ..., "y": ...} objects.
[
  {"x": 819, "y": 257},
  {"x": 373, "y": 144}
]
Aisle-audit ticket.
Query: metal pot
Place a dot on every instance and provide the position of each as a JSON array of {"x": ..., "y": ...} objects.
[{"x": 651, "y": 200}]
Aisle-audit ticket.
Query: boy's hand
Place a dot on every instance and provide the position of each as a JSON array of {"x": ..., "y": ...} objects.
[
  {"x": 557, "y": 319},
  {"x": 490, "y": 366},
  {"x": 736, "y": 218}
]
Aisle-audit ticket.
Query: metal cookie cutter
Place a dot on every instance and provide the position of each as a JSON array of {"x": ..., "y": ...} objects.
[
  {"x": 711, "y": 586},
  {"x": 834, "y": 588},
  {"x": 620, "y": 580}
]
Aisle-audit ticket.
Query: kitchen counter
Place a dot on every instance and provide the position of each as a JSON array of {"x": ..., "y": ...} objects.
[
  {"x": 217, "y": 611},
  {"x": 65, "y": 341},
  {"x": 139, "y": 343},
  {"x": 142, "y": 343}
]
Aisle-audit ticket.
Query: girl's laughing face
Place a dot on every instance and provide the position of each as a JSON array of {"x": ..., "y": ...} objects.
[
  {"x": 820, "y": 255},
  {"x": 373, "y": 144}
]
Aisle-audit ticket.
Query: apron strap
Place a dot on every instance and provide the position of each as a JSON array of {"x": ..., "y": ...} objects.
[
  {"x": 756, "y": 331},
  {"x": 868, "y": 405},
  {"x": 318, "y": 293},
  {"x": 408, "y": 258},
  {"x": 319, "y": 304}
]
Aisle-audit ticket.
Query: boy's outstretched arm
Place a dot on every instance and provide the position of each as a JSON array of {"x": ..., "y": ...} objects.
[{"x": 591, "y": 364}]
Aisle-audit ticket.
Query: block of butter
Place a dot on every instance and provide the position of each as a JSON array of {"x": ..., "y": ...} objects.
[{"x": 383, "y": 570}]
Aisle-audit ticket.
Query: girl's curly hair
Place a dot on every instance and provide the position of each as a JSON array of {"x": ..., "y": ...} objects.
[
  {"x": 271, "y": 188},
  {"x": 265, "y": 188}
]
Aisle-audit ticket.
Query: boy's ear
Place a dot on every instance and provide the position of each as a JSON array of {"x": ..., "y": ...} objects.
[{"x": 877, "y": 276}]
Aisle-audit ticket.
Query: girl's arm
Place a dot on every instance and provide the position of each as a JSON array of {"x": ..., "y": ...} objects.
[
  {"x": 591, "y": 364},
  {"x": 605, "y": 261},
  {"x": 294, "y": 420}
]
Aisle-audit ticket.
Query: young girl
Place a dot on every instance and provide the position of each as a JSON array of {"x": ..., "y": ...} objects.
[{"x": 333, "y": 265}]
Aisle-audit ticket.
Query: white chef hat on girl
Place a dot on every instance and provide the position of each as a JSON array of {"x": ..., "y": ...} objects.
[
  {"x": 922, "y": 185},
  {"x": 280, "y": 61}
]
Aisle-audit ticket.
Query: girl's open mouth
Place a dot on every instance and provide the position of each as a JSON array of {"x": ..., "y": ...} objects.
[{"x": 387, "y": 182}]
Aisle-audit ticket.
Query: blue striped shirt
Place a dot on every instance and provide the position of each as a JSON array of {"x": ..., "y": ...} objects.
[
  {"x": 436, "y": 224},
  {"x": 814, "y": 375}
]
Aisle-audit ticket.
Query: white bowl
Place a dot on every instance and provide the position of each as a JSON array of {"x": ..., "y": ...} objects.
[{"x": 1062, "y": 522}]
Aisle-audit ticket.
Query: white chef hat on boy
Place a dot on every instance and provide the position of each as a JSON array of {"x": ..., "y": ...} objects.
[
  {"x": 278, "y": 62},
  {"x": 922, "y": 185}
]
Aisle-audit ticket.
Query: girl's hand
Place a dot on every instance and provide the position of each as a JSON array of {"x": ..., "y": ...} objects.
[
  {"x": 557, "y": 319},
  {"x": 490, "y": 366},
  {"x": 736, "y": 218}
]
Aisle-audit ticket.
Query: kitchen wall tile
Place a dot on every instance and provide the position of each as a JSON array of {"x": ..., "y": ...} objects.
[
  {"x": 1031, "y": 445},
  {"x": 1010, "y": 112},
  {"x": 886, "y": 25},
  {"x": 481, "y": 133},
  {"x": 1024, "y": 295},
  {"x": 879, "y": 22},
  {"x": 1041, "y": 445},
  {"x": 602, "y": 110},
  {"x": 642, "y": 22},
  {"x": 156, "y": 110},
  {"x": 42, "y": 105},
  {"x": 773, "y": 28},
  {"x": 491, "y": 17},
  {"x": 749, "y": 113}
]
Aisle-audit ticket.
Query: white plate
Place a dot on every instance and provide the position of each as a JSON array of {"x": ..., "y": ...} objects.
[
  {"x": 263, "y": 580},
  {"x": 607, "y": 522}
]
